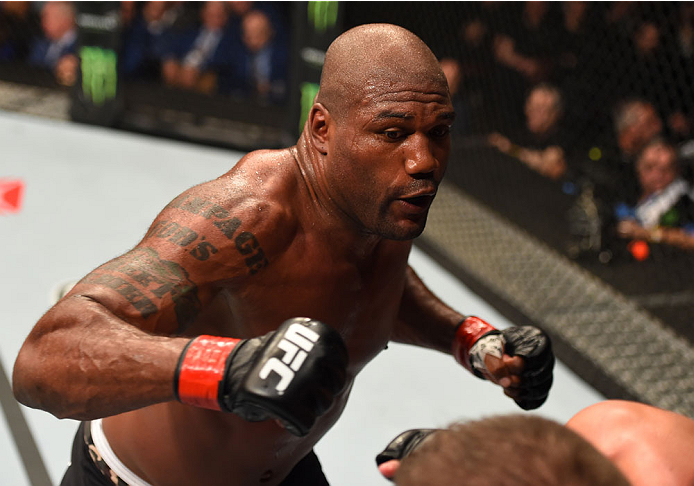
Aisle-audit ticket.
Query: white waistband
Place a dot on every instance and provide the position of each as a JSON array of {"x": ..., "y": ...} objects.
[{"x": 110, "y": 458}]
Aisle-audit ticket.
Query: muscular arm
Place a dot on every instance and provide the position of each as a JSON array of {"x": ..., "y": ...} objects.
[
  {"x": 423, "y": 319},
  {"x": 82, "y": 361},
  {"x": 113, "y": 343},
  {"x": 519, "y": 359}
]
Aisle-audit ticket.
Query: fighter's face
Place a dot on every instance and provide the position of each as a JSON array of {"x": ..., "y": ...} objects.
[{"x": 389, "y": 154}]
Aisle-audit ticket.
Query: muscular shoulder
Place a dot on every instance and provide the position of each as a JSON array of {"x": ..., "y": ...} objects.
[
  {"x": 217, "y": 234},
  {"x": 246, "y": 215}
]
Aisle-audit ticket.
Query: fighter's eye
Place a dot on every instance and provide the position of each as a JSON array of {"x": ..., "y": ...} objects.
[
  {"x": 440, "y": 131},
  {"x": 393, "y": 134}
]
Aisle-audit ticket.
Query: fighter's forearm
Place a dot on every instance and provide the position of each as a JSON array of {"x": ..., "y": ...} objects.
[
  {"x": 423, "y": 319},
  {"x": 83, "y": 362}
]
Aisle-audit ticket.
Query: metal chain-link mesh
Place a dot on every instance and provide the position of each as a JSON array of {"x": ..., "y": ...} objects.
[{"x": 629, "y": 345}]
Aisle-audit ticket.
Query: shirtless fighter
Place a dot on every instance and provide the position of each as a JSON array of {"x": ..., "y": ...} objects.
[{"x": 193, "y": 346}]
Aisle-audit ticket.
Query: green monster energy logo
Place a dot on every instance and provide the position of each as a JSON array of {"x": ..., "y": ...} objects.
[
  {"x": 322, "y": 15},
  {"x": 99, "y": 75},
  {"x": 308, "y": 94}
]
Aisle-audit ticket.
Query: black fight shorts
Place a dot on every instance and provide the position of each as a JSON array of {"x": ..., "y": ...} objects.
[{"x": 88, "y": 469}]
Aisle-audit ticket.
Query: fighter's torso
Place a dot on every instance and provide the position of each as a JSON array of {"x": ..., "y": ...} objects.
[{"x": 175, "y": 444}]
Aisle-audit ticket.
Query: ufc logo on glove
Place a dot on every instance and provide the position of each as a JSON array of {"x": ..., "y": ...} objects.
[
  {"x": 297, "y": 342},
  {"x": 239, "y": 375}
]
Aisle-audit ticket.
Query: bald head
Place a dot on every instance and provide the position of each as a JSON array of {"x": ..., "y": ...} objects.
[{"x": 368, "y": 59}]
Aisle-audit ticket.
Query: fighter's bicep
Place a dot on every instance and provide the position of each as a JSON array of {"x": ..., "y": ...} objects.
[{"x": 146, "y": 289}]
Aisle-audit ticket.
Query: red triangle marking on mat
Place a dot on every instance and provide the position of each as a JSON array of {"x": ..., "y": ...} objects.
[{"x": 12, "y": 196}]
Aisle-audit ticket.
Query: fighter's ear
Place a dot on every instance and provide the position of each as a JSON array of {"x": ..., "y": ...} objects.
[{"x": 319, "y": 124}]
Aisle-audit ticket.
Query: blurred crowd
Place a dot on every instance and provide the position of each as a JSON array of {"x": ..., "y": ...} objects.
[
  {"x": 230, "y": 48},
  {"x": 596, "y": 96},
  {"x": 593, "y": 95}
]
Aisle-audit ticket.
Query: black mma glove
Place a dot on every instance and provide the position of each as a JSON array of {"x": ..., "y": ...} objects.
[
  {"x": 476, "y": 338},
  {"x": 535, "y": 347},
  {"x": 292, "y": 374},
  {"x": 403, "y": 445}
]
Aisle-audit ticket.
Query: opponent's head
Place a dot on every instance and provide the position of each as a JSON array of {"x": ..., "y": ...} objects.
[
  {"x": 518, "y": 450},
  {"x": 380, "y": 127}
]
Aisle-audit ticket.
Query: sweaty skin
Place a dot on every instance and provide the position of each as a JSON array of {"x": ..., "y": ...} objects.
[{"x": 322, "y": 230}]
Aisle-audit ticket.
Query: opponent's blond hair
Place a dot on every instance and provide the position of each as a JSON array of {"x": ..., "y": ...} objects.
[{"x": 510, "y": 450}]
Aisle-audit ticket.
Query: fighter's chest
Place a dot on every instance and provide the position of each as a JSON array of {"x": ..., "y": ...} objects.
[{"x": 360, "y": 300}]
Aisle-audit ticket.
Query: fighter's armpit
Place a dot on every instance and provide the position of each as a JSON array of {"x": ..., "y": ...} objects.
[{"x": 150, "y": 285}]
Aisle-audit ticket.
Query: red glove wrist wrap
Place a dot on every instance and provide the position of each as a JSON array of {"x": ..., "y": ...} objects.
[
  {"x": 202, "y": 368},
  {"x": 469, "y": 331}
]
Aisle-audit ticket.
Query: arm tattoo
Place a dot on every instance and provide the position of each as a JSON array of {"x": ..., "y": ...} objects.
[
  {"x": 246, "y": 243},
  {"x": 157, "y": 279}
]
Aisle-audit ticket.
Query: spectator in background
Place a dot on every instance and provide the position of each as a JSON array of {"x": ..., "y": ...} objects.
[
  {"x": 196, "y": 60},
  {"x": 128, "y": 13},
  {"x": 651, "y": 68},
  {"x": 16, "y": 30},
  {"x": 146, "y": 38},
  {"x": 685, "y": 30},
  {"x": 526, "y": 49},
  {"x": 664, "y": 210},
  {"x": 607, "y": 178},
  {"x": 580, "y": 55},
  {"x": 483, "y": 79},
  {"x": 261, "y": 70},
  {"x": 239, "y": 9},
  {"x": 454, "y": 75},
  {"x": 541, "y": 143},
  {"x": 636, "y": 122},
  {"x": 681, "y": 123},
  {"x": 55, "y": 50},
  {"x": 576, "y": 43}
]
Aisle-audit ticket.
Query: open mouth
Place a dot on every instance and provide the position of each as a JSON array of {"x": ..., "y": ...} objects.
[{"x": 419, "y": 201}]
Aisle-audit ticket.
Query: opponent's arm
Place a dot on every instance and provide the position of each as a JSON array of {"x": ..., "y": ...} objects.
[
  {"x": 518, "y": 358},
  {"x": 388, "y": 460}
]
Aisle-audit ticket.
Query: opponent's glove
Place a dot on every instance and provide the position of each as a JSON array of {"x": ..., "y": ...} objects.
[
  {"x": 476, "y": 338},
  {"x": 403, "y": 445},
  {"x": 292, "y": 374}
]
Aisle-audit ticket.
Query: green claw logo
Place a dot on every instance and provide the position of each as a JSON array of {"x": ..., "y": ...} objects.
[
  {"x": 322, "y": 15},
  {"x": 308, "y": 94},
  {"x": 99, "y": 74}
]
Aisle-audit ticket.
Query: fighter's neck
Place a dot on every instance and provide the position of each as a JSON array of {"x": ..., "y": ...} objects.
[{"x": 346, "y": 231}]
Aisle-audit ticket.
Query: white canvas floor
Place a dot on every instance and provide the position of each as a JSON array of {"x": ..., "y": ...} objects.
[{"x": 90, "y": 195}]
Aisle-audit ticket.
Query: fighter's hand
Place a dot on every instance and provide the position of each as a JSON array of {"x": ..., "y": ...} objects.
[
  {"x": 291, "y": 375},
  {"x": 388, "y": 461},
  {"x": 520, "y": 359}
]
